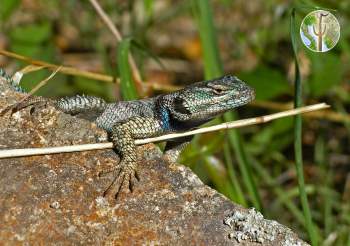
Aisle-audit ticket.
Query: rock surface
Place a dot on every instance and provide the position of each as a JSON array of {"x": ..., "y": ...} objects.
[{"x": 57, "y": 198}]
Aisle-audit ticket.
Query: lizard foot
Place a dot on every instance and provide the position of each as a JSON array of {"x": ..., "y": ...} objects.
[{"x": 125, "y": 178}]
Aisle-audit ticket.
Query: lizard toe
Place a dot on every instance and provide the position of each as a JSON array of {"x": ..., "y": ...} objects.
[
  {"x": 109, "y": 170},
  {"x": 114, "y": 188},
  {"x": 133, "y": 178},
  {"x": 124, "y": 180}
]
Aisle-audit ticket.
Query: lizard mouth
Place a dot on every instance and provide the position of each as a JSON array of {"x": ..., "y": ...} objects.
[
  {"x": 251, "y": 95},
  {"x": 246, "y": 97},
  {"x": 248, "y": 94}
]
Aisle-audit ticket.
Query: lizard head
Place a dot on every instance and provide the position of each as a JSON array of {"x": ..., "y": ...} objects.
[{"x": 207, "y": 99}]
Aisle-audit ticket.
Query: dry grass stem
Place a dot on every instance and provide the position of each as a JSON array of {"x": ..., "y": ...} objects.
[
  {"x": 325, "y": 114},
  {"x": 38, "y": 86},
  {"x": 118, "y": 36},
  {"x": 29, "y": 94},
  {"x": 227, "y": 125},
  {"x": 90, "y": 75}
]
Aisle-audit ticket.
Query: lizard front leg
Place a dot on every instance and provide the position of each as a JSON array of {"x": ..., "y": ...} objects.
[{"x": 123, "y": 138}]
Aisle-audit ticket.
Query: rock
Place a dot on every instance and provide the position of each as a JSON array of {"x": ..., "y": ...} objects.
[{"x": 58, "y": 198}]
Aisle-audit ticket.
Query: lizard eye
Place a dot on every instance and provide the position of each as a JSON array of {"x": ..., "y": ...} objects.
[{"x": 218, "y": 91}]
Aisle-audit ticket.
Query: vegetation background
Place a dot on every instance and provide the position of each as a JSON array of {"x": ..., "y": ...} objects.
[{"x": 177, "y": 42}]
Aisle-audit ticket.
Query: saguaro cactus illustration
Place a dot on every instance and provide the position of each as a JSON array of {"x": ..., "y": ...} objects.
[{"x": 321, "y": 30}]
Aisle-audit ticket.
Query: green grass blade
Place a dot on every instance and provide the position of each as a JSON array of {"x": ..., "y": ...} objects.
[
  {"x": 127, "y": 85},
  {"x": 320, "y": 159},
  {"x": 243, "y": 164},
  {"x": 7, "y": 7},
  {"x": 237, "y": 190},
  {"x": 212, "y": 64},
  {"x": 148, "y": 5},
  {"x": 280, "y": 193},
  {"x": 218, "y": 175},
  {"x": 213, "y": 68},
  {"x": 310, "y": 227},
  {"x": 144, "y": 51}
]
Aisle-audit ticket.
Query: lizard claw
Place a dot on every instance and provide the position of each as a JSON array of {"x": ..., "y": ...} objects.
[
  {"x": 124, "y": 179},
  {"x": 109, "y": 170}
]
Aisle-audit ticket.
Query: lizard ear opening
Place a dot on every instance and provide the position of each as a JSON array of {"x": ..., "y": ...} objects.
[{"x": 179, "y": 106}]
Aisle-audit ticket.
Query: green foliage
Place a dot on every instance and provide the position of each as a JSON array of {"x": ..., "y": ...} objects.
[
  {"x": 92, "y": 87},
  {"x": 213, "y": 68},
  {"x": 237, "y": 194},
  {"x": 32, "y": 40},
  {"x": 267, "y": 82},
  {"x": 298, "y": 154},
  {"x": 7, "y": 7},
  {"x": 244, "y": 165},
  {"x": 327, "y": 72},
  {"x": 32, "y": 34},
  {"x": 258, "y": 51},
  {"x": 204, "y": 17},
  {"x": 273, "y": 138},
  {"x": 149, "y": 4},
  {"x": 127, "y": 85}
]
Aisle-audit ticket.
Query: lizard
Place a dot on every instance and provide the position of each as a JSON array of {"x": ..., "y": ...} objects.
[{"x": 126, "y": 121}]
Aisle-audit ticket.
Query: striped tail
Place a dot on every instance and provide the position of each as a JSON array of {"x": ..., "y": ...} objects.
[
  {"x": 86, "y": 107},
  {"x": 81, "y": 104}
]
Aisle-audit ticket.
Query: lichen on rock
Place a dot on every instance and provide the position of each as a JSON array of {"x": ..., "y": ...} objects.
[{"x": 252, "y": 226}]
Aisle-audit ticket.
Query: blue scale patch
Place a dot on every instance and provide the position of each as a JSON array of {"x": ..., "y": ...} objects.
[{"x": 165, "y": 118}]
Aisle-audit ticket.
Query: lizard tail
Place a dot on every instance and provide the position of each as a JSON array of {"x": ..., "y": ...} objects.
[
  {"x": 87, "y": 107},
  {"x": 80, "y": 104},
  {"x": 14, "y": 83}
]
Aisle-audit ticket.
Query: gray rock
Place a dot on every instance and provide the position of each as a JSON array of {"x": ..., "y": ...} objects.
[{"x": 58, "y": 199}]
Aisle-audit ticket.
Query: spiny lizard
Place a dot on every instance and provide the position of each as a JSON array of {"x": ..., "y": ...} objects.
[{"x": 126, "y": 121}]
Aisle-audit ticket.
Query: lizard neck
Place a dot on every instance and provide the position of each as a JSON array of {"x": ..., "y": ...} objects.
[
  {"x": 169, "y": 121},
  {"x": 164, "y": 118}
]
